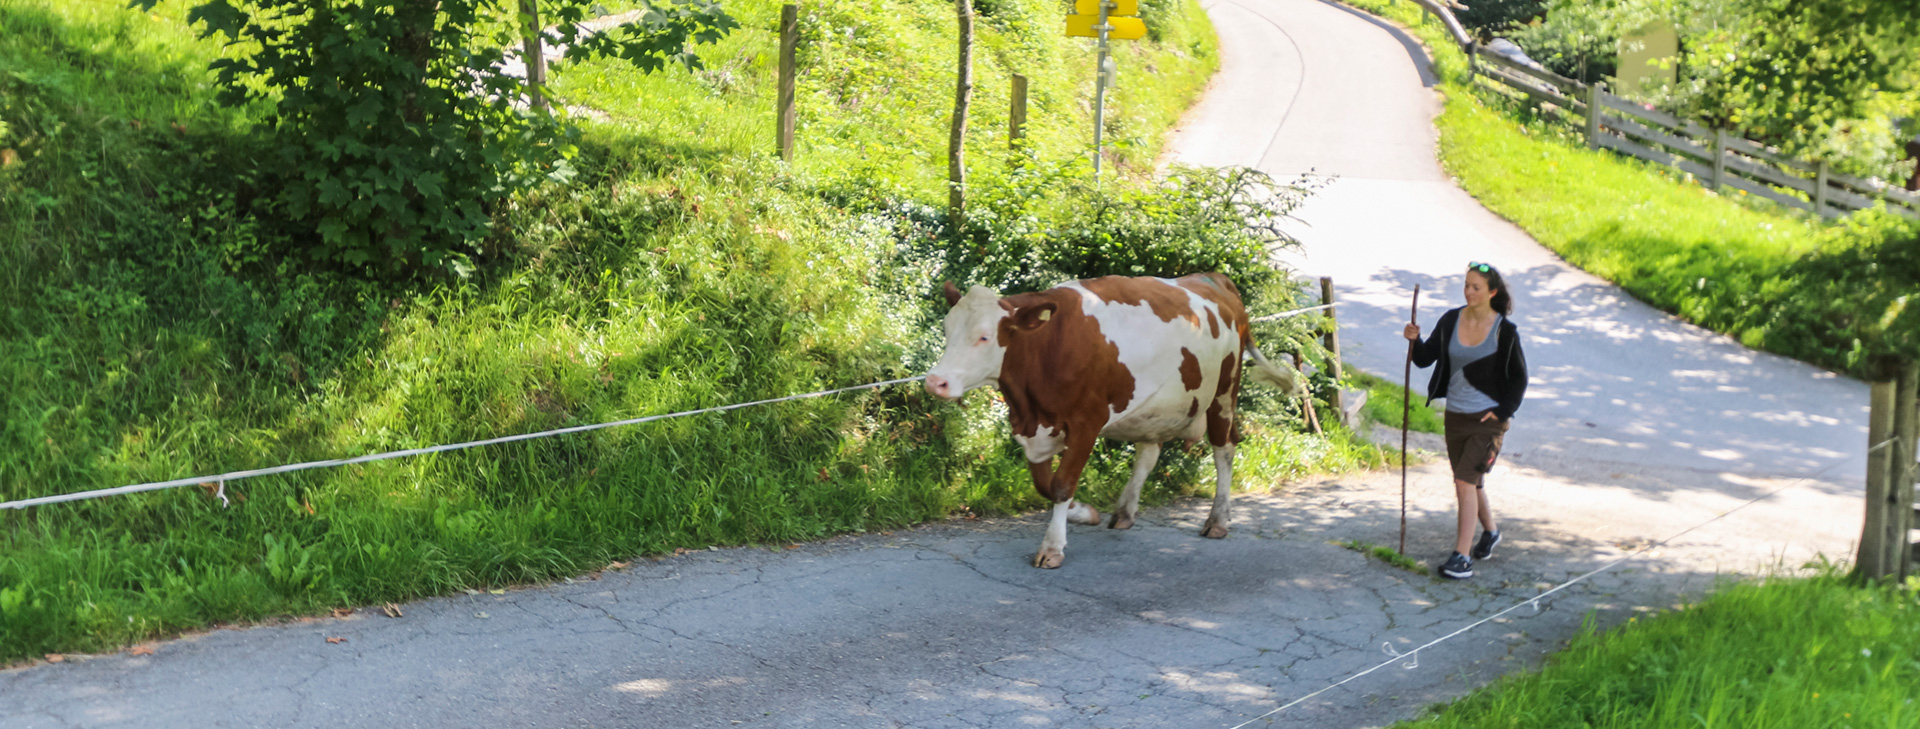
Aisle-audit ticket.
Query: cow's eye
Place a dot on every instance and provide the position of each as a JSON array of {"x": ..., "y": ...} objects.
[{"x": 983, "y": 340}]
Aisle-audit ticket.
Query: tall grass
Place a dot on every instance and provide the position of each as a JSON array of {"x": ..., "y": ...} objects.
[
  {"x": 151, "y": 326},
  {"x": 1784, "y": 653}
]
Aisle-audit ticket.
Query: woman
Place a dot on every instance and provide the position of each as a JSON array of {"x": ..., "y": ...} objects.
[{"x": 1483, "y": 376}]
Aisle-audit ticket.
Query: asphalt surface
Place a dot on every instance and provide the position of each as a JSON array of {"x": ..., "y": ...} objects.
[{"x": 1638, "y": 428}]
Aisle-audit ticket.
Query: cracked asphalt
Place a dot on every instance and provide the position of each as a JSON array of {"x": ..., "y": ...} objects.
[{"x": 1638, "y": 428}]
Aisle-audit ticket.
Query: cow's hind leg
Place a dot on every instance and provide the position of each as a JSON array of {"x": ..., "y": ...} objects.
[
  {"x": 1216, "y": 526},
  {"x": 1124, "y": 510}
]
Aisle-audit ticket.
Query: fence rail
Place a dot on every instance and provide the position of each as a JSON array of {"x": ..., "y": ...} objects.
[{"x": 1716, "y": 158}]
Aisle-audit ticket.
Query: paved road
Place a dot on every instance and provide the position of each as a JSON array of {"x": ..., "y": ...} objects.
[{"x": 1640, "y": 427}]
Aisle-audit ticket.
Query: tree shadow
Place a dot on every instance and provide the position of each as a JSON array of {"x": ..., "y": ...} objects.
[{"x": 1617, "y": 385}]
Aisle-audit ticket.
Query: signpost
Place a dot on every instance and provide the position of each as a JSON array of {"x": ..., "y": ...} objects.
[{"x": 1106, "y": 20}]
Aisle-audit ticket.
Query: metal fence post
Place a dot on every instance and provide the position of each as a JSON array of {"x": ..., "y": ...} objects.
[{"x": 789, "y": 40}]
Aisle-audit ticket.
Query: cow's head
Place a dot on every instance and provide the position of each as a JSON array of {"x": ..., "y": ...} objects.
[{"x": 976, "y": 344}]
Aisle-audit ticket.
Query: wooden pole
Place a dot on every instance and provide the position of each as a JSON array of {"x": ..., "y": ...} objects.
[
  {"x": 1332, "y": 341},
  {"x": 1906, "y": 431},
  {"x": 1406, "y": 413},
  {"x": 1307, "y": 399},
  {"x": 1719, "y": 159},
  {"x": 530, "y": 51},
  {"x": 957, "y": 138},
  {"x": 789, "y": 40},
  {"x": 1872, "y": 561},
  {"x": 1595, "y": 93},
  {"x": 1820, "y": 189},
  {"x": 1017, "y": 115}
]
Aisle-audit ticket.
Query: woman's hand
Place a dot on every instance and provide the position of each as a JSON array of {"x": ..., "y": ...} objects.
[
  {"x": 1412, "y": 332},
  {"x": 1488, "y": 415}
]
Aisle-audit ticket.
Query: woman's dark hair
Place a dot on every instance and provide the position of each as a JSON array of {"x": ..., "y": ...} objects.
[{"x": 1502, "y": 301}]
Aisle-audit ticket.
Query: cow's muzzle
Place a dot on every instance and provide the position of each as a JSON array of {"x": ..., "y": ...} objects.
[{"x": 942, "y": 388}]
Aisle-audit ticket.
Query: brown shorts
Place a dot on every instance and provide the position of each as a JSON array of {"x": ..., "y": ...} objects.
[{"x": 1472, "y": 446}]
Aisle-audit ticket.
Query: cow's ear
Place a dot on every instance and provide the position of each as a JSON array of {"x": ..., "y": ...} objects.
[
  {"x": 952, "y": 293},
  {"x": 1029, "y": 318}
]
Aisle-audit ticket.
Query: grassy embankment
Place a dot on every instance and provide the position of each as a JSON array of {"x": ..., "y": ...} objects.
[
  {"x": 152, "y": 325},
  {"x": 1813, "y": 652}
]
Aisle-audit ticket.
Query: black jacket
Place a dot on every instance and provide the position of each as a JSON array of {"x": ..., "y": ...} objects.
[{"x": 1502, "y": 376}]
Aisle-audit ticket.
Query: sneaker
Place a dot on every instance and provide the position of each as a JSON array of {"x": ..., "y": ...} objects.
[
  {"x": 1458, "y": 567},
  {"x": 1484, "y": 548}
]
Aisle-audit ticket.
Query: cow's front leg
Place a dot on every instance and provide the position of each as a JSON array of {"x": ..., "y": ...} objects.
[
  {"x": 1124, "y": 510},
  {"x": 1053, "y": 547},
  {"x": 1216, "y": 526}
]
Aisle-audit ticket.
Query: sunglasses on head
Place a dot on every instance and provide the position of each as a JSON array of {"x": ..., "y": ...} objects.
[{"x": 1481, "y": 267}]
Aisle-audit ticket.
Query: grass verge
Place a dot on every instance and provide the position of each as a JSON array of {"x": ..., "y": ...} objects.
[
  {"x": 1385, "y": 554},
  {"x": 1779, "y": 654},
  {"x": 1386, "y": 405},
  {"x": 153, "y": 327}
]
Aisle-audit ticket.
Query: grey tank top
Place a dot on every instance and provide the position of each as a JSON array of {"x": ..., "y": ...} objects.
[{"x": 1463, "y": 397}]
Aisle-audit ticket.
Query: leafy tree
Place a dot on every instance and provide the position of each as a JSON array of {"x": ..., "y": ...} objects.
[
  {"x": 1795, "y": 70},
  {"x": 396, "y": 128}
]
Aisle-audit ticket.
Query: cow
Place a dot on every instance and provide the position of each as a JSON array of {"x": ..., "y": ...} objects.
[{"x": 1145, "y": 360}]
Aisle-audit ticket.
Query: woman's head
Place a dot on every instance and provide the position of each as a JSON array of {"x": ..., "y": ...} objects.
[{"x": 1485, "y": 285}]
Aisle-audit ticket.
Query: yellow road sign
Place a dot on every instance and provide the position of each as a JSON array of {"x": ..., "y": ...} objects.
[
  {"x": 1123, "y": 28},
  {"x": 1092, "y": 7}
]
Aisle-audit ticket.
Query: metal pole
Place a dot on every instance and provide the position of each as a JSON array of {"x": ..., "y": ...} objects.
[{"x": 1100, "y": 87}]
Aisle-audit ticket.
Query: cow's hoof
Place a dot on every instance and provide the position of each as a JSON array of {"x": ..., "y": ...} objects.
[
  {"x": 1120, "y": 521},
  {"x": 1084, "y": 514},
  {"x": 1214, "y": 529},
  {"x": 1048, "y": 560}
]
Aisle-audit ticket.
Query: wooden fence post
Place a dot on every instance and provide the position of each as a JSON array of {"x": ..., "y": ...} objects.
[
  {"x": 1333, "y": 346},
  {"x": 1595, "y": 92},
  {"x": 1017, "y": 115},
  {"x": 1872, "y": 560},
  {"x": 789, "y": 40},
  {"x": 530, "y": 52},
  {"x": 1906, "y": 431},
  {"x": 1719, "y": 158},
  {"x": 1820, "y": 189}
]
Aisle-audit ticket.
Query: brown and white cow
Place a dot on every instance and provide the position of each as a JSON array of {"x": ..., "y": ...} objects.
[{"x": 1145, "y": 360}]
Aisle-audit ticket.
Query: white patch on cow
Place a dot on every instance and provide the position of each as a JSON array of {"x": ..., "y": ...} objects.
[
  {"x": 1150, "y": 348},
  {"x": 1055, "y": 541},
  {"x": 974, "y": 354},
  {"x": 1046, "y": 443}
]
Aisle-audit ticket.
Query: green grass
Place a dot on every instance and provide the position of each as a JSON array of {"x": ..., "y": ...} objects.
[
  {"x": 151, "y": 328},
  {"x": 1810, "y": 653},
  {"x": 1385, "y": 554},
  {"x": 1831, "y": 294},
  {"x": 1386, "y": 404}
]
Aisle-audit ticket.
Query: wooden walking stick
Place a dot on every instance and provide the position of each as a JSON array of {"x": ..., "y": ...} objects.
[{"x": 1406, "y": 413}]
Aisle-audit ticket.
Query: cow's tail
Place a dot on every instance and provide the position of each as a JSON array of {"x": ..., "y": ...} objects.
[{"x": 1281, "y": 376}]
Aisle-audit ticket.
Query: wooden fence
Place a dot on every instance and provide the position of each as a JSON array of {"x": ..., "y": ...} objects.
[{"x": 1712, "y": 156}]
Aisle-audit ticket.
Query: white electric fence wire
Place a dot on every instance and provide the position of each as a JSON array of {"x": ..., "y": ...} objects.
[
  {"x": 1295, "y": 312},
  {"x": 222, "y": 479},
  {"x": 1412, "y": 657}
]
